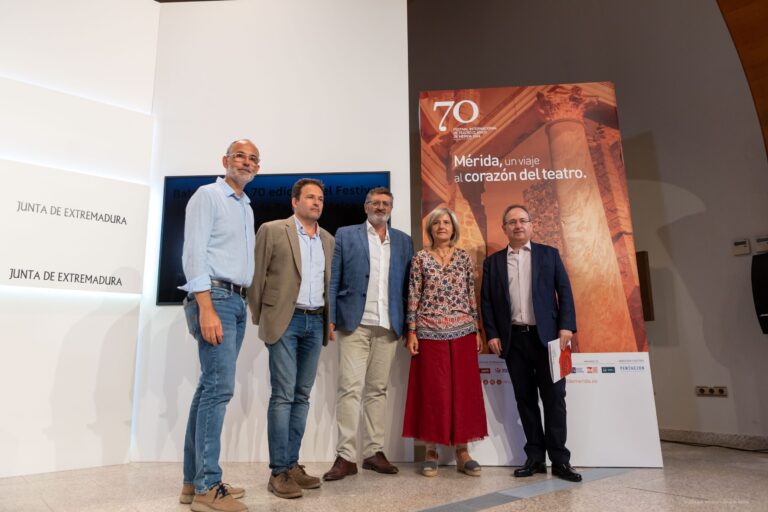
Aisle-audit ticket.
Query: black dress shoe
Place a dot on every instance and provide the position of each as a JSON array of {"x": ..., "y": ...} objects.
[
  {"x": 530, "y": 467},
  {"x": 566, "y": 472}
]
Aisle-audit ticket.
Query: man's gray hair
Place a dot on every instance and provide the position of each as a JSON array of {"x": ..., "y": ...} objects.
[
  {"x": 379, "y": 190},
  {"x": 238, "y": 141}
]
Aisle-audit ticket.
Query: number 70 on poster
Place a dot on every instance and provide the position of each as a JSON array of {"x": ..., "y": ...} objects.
[{"x": 454, "y": 107}]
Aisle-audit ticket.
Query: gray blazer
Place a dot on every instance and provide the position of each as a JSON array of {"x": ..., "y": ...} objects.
[{"x": 276, "y": 281}]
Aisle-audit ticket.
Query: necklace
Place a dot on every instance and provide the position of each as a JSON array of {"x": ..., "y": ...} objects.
[{"x": 443, "y": 257}]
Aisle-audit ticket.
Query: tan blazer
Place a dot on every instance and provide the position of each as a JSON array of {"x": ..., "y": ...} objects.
[{"x": 276, "y": 281}]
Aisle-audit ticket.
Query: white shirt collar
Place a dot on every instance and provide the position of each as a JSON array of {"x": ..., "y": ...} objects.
[{"x": 369, "y": 227}]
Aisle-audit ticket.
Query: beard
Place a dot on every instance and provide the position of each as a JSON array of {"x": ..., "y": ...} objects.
[
  {"x": 241, "y": 177},
  {"x": 378, "y": 218}
]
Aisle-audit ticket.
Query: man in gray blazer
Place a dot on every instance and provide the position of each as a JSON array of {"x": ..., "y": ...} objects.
[
  {"x": 367, "y": 295},
  {"x": 289, "y": 302}
]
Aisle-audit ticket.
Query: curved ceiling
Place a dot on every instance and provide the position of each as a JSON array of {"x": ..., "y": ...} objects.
[{"x": 747, "y": 21}]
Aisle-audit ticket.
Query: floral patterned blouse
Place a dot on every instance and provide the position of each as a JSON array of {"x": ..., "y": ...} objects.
[{"x": 441, "y": 300}]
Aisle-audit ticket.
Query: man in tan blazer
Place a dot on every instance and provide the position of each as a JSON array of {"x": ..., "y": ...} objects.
[{"x": 289, "y": 302}]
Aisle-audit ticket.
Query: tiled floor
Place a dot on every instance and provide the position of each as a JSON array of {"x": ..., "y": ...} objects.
[{"x": 695, "y": 479}]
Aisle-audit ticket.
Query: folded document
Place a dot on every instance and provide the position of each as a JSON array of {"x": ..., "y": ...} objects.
[{"x": 560, "y": 363}]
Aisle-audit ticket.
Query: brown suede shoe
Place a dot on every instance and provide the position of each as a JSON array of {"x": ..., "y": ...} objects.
[
  {"x": 379, "y": 463},
  {"x": 217, "y": 500},
  {"x": 283, "y": 486},
  {"x": 301, "y": 477},
  {"x": 341, "y": 468},
  {"x": 188, "y": 493}
]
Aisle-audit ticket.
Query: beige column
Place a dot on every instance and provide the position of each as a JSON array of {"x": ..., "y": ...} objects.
[
  {"x": 601, "y": 307},
  {"x": 605, "y": 145}
]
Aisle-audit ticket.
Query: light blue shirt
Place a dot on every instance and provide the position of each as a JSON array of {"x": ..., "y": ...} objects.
[
  {"x": 219, "y": 238},
  {"x": 312, "y": 286}
]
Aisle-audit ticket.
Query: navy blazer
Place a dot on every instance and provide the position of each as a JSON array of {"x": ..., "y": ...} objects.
[
  {"x": 349, "y": 277},
  {"x": 550, "y": 287}
]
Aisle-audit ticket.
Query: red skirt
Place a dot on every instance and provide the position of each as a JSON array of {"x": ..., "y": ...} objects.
[{"x": 445, "y": 396}]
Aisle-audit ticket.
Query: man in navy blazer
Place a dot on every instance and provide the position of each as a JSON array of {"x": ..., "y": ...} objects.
[
  {"x": 367, "y": 296},
  {"x": 526, "y": 302}
]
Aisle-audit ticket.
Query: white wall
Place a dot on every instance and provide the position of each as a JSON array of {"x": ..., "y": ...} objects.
[
  {"x": 76, "y": 82},
  {"x": 318, "y": 86}
]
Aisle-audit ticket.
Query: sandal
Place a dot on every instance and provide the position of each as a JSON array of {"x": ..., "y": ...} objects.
[
  {"x": 470, "y": 467},
  {"x": 429, "y": 468}
]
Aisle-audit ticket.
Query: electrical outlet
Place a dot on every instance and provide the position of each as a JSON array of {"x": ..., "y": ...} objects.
[{"x": 720, "y": 391}]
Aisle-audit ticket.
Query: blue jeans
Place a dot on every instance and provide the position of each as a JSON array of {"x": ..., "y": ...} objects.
[
  {"x": 292, "y": 368},
  {"x": 215, "y": 388}
]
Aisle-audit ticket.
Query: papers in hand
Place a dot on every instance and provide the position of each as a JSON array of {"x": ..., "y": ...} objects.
[{"x": 560, "y": 363}]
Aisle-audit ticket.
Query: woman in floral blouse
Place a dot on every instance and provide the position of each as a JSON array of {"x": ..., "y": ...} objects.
[{"x": 445, "y": 397}]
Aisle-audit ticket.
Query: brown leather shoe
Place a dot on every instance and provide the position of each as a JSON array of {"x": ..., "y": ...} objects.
[
  {"x": 301, "y": 477},
  {"x": 379, "y": 463},
  {"x": 341, "y": 468},
  {"x": 217, "y": 499},
  {"x": 283, "y": 486},
  {"x": 188, "y": 493}
]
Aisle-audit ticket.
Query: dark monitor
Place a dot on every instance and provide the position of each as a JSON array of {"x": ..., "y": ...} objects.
[{"x": 270, "y": 198}]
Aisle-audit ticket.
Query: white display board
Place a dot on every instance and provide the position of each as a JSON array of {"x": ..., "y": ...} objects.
[
  {"x": 67, "y": 230},
  {"x": 611, "y": 421},
  {"x": 505, "y": 441},
  {"x": 611, "y": 412}
]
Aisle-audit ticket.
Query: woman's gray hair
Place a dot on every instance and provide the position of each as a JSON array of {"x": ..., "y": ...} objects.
[{"x": 438, "y": 212}]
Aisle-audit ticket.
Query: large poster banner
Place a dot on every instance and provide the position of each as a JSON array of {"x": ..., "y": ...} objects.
[{"x": 557, "y": 150}]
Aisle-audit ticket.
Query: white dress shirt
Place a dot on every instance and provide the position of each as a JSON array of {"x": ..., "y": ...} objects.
[
  {"x": 376, "y": 310},
  {"x": 520, "y": 294}
]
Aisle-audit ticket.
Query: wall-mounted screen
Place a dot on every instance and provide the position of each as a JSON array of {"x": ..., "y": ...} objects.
[{"x": 270, "y": 198}]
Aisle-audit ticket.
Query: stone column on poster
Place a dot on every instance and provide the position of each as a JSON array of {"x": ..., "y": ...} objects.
[
  {"x": 605, "y": 148},
  {"x": 605, "y": 326}
]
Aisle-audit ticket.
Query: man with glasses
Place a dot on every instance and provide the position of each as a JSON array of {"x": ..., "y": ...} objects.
[
  {"x": 368, "y": 290},
  {"x": 218, "y": 264},
  {"x": 289, "y": 302},
  {"x": 526, "y": 302}
]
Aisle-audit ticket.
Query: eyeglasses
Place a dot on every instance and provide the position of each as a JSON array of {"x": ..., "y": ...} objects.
[
  {"x": 515, "y": 222},
  {"x": 378, "y": 204},
  {"x": 239, "y": 156}
]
